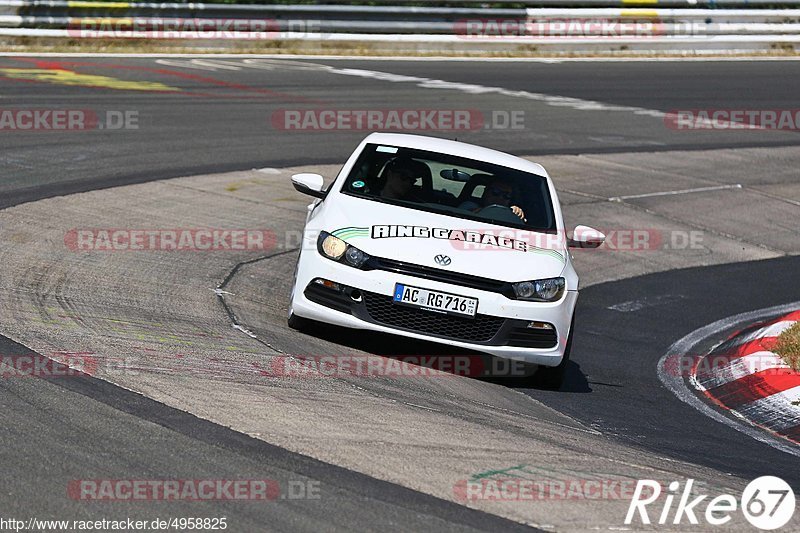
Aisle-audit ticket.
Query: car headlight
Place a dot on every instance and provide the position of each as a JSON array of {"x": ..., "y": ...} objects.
[
  {"x": 336, "y": 249},
  {"x": 540, "y": 290},
  {"x": 331, "y": 247}
]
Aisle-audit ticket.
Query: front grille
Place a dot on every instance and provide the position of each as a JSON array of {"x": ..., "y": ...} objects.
[
  {"x": 383, "y": 310},
  {"x": 525, "y": 337},
  {"x": 435, "y": 274}
]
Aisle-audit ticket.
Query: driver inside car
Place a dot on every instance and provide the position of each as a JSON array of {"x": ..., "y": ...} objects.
[{"x": 497, "y": 192}]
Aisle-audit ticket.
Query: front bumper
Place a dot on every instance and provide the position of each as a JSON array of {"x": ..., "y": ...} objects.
[{"x": 500, "y": 328}]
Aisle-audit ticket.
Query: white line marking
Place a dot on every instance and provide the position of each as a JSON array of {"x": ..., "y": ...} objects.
[
  {"x": 547, "y": 99},
  {"x": 421, "y": 407},
  {"x": 676, "y": 384},
  {"x": 215, "y": 63},
  {"x": 220, "y": 292},
  {"x": 429, "y": 83},
  {"x": 619, "y": 139},
  {"x": 184, "y": 64},
  {"x": 471, "y": 88},
  {"x": 672, "y": 193},
  {"x": 245, "y": 331}
]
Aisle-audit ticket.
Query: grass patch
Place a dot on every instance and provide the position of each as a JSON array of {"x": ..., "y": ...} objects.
[{"x": 788, "y": 346}]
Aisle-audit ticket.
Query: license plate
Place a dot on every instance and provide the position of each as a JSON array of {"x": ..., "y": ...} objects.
[{"x": 436, "y": 301}]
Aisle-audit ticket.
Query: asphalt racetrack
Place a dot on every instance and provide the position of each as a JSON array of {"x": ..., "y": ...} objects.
[{"x": 385, "y": 455}]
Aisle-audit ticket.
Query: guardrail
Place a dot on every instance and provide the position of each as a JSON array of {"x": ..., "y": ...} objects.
[{"x": 550, "y": 26}]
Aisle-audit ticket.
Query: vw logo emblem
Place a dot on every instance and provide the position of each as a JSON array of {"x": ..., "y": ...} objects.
[{"x": 443, "y": 260}]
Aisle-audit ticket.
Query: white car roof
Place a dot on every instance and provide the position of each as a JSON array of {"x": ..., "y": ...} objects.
[{"x": 446, "y": 146}]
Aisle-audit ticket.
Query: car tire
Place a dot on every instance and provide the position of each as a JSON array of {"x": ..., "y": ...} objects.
[{"x": 552, "y": 377}]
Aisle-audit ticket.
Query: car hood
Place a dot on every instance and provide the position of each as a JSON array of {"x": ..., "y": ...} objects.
[{"x": 422, "y": 238}]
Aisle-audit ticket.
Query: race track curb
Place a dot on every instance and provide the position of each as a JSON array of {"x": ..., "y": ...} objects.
[{"x": 744, "y": 376}]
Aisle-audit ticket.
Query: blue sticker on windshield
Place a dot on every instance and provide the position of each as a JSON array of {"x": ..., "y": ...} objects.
[{"x": 358, "y": 184}]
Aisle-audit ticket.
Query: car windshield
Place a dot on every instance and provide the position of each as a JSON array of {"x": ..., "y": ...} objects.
[{"x": 451, "y": 185}]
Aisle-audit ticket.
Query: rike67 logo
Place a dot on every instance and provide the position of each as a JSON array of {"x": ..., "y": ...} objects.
[{"x": 767, "y": 502}]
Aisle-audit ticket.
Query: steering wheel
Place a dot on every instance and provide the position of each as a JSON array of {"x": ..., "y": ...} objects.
[{"x": 499, "y": 212}]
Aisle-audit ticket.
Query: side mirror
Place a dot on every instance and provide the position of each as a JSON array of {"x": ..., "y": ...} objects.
[
  {"x": 310, "y": 184},
  {"x": 586, "y": 237}
]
